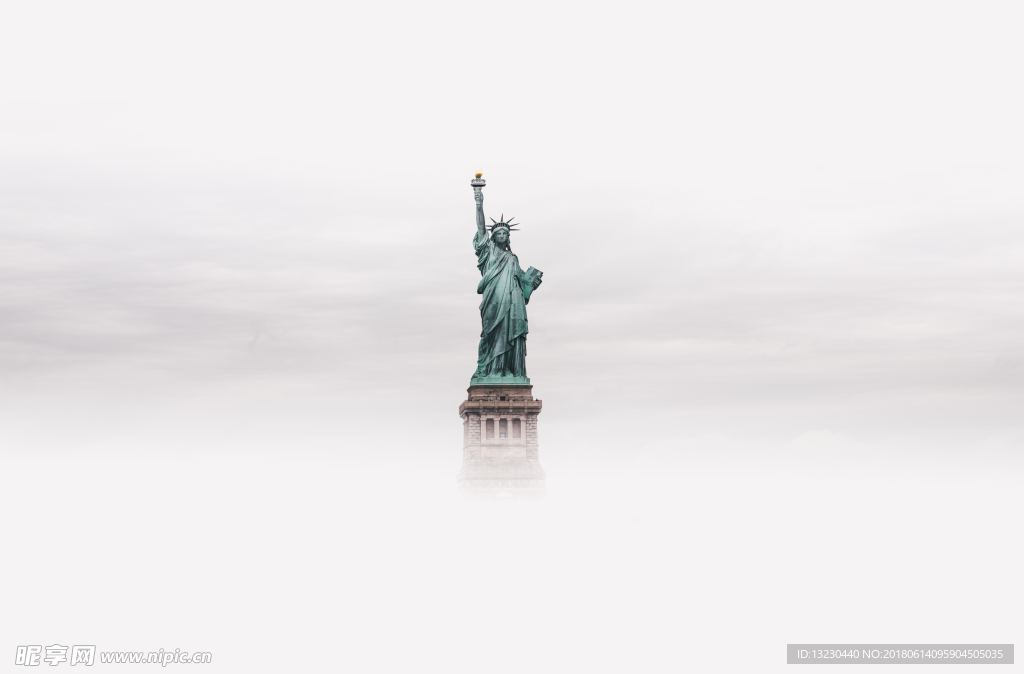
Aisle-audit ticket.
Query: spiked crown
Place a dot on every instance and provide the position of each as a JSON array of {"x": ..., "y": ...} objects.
[{"x": 509, "y": 225}]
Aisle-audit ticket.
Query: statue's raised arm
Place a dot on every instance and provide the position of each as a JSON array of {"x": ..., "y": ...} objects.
[{"x": 478, "y": 183}]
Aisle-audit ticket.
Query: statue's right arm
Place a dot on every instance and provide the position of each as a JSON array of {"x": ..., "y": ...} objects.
[{"x": 481, "y": 227}]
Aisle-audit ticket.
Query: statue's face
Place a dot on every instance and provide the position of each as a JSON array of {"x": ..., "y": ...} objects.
[{"x": 501, "y": 236}]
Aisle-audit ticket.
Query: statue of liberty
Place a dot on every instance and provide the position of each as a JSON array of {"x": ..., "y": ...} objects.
[{"x": 506, "y": 290}]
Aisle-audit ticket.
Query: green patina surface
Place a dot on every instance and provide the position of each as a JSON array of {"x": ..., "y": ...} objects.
[
  {"x": 499, "y": 380},
  {"x": 506, "y": 290}
]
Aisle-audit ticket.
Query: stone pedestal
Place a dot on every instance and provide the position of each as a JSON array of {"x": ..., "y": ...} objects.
[{"x": 499, "y": 439}]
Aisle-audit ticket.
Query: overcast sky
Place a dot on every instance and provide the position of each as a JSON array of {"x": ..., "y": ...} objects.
[{"x": 780, "y": 210}]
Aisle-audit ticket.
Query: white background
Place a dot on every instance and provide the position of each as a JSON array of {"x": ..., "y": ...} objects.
[{"x": 778, "y": 342}]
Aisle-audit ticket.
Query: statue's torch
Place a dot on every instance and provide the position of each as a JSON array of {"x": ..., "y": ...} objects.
[{"x": 478, "y": 182}]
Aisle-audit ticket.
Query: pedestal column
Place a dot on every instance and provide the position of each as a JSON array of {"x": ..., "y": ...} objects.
[{"x": 495, "y": 463}]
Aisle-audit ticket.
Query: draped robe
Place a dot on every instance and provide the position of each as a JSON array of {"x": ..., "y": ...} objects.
[{"x": 502, "y": 348}]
